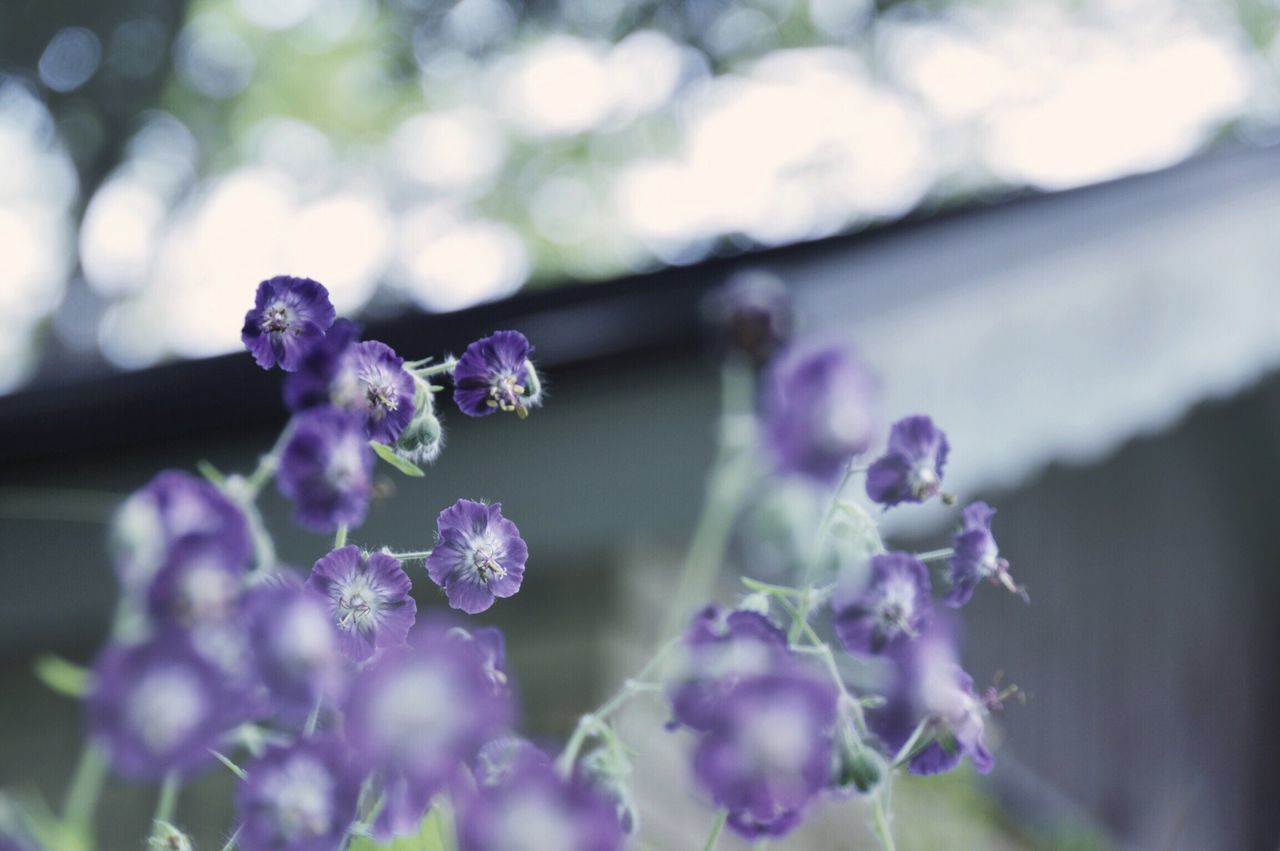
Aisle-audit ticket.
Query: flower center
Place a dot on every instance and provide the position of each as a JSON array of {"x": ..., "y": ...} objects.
[
  {"x": 924, "y": 482},
  {"x": 355, "y": 610},
  {"x": 275, "y": 319},
  {"x": 381, "y": 398},
  {"x": 505, "y": 394},
  {"x": 486, "y": 564}
]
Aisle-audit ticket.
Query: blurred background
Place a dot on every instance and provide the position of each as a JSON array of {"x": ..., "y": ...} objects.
[{"x": 1051, "y": 225}]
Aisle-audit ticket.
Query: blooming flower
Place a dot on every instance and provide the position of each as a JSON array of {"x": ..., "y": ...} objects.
[
  {"x": 301, "y": 797},
  {"x": 495, "y": 374},
  {"x": 930, "y": 686},
  {"x": 420, "y": 711},
  {"x": 723, "y": 648},
  {"x": 819, "y": 410},
  {"x": 976, "y": 556},
  {"x": 157, "y": 706},
  {"x": 326, "y": 469},
  {"x": 197, "y": 584},
  {"x": 769, "y": 751},
  {"x": 532, "y": 809},
  {"x": 296, "y": 646},
  {"x": 289, "y": 315},
  {"x": 753, "y": 314},
  {"x": 366, "y": 378},
  {"x": 173, "y": 507},
  {"x": 911, "y": 470},
  {"x": 490, "y": 648},
  {"x": 369, "y": 600},
  {"x": 479, "y": 555},
  {"x": 890, "y": 608}
]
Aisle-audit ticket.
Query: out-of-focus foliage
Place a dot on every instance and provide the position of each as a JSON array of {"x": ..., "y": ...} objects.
[{"x": 154, "y": 157}]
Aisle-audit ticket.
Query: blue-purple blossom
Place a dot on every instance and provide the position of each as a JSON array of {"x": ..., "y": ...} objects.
[
  {"x": 721, "y": 649},
  {"x": 326, "y": 469},
  {"x": 753, "y": 314},
  {"x": 173, "y": 507},
  {"x": 929, "y": 686},
  {"x": 157, "y": 706},
  {"x": 819, "y": 410},
  {"x": 296, "y": 647},
  {"x": 891, "y": 607},
  {"x": 911, "y": 469},
  {"x": 533, "y": 809},
  {"x": 404, "y": 804},
  {"x": 301, "y": 797},
  {"x": 422, "y": 711},
  {"x": 490, "y": 648},
  {"x": 499, "y": 758},
  {"x": 197, "y": 584},
  {"x": 977, "y": 557},
  {"x": 368, "y": 379},
  {"x": 368, "y": 595},
  {"x": 479, "y": 555},
  {"x": 289, "y": 315},
  {"x": 769, "y": 751},
  {"x": 495, "y": 374}
]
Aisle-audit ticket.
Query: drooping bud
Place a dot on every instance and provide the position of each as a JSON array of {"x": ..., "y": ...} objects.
[
  {"x": 857, "y": 767},
  {"x": 166, "y": 837},
  {"x": 752, "y": 315},
  {"x": 423, "y": 439}
]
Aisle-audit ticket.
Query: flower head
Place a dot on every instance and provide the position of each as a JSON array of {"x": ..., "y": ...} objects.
[
  {"x": 296, "y": 646},
  {"x": 368, "y": 379},
  {"x": 479, "y": 555},
  {"x": 326, "y": 469},
  {"x": 157, "y": 706},
  {"x": 289, "y": 315},
  {"x": 819, "y": 410},
  {"x": 490, "y": 648},
  {"x": 769, "y": 751},
  {"x": 197, "y": 584},
  {"x": 891, "y": 607},
  {"x": 301, "y": 797},
  {"x": 175, "y": 507},
  {"x": 532, "y": 809},
  {"x": 495, "y": 374},
  {"x": 930, "y": 686},
  {"x": 422, "y": 710},
  {"x": 722, "y": 649},
  {"x": 753, "y": 314},
  {"x": 977, "y": 557},
  {"x": 911, "y": 470},
  {"x": 369, "y": 600}
]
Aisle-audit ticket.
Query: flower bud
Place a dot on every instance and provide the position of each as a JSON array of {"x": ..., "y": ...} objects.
[
  {"x": 757, "y": 602},
  {"x": 608, "y": 773},
  {"x": 857, "y": 767},
  {"x": 752, "y": 315},
  {"x": 421, "y": 440},
  {"x": 166, "y": 837}
]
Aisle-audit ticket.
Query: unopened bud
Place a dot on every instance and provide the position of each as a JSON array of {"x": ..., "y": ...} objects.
[
  {"x": 757, "y": 602},
  {"x": 423, "y": 439},
  {"x": 857, "y": 767},
  {"x": 166, "y": 837}
]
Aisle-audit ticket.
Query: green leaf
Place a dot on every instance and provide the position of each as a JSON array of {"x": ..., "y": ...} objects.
[
  {"x": 62, "y": 676},
  {"x": 210, "y": 472},
  {"x": 432, "y": 837},
  {"x": 386, "y": 453}
]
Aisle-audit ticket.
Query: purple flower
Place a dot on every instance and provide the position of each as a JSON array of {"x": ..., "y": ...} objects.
[
  {"x": 404, "y": 804},
  {"x": 533, "y": 809},
  {"x": 173, "y": 507},
  {"x": 289, "y": 315},
  {"x": 495, "y": 374},
  {"x": 157, "y": 706},
  {"x": 911, "y": 470},
  {"x": 490, "y": 648},
  {"x": 296, "y": 647},
  {"x": 499, "y": 758},
  {"x": 479, "y": 555},
  {"x": 890, "y": 608},
  {"x": 819, "y": 410},
  {"x": 977, "y": 557},
  {"x": 298, "y": 798},
  {"x": 723, "y": 649},
  {"x": 769, "y": 751},
  {"x": 422, "y": 711},
  {"x": 930, "y": 686},
  {"x": 326, "y": 469},
  {"x": 753, "y": 314},
  {"x": 366, "y": 378},
  {"x": 369, "y": 600},
  {"x": 197, "y": 584}
]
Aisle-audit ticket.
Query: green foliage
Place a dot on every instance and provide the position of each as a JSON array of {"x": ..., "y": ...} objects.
[
  {"x": 62, "y": 676},
  {"x": 434, "y": 836},
  {"x": 386, "y": 453}
]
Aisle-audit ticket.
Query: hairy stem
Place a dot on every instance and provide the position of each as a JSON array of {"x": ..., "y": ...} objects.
[
  {"x": 718, "y": 826},
  {"x": 168, "y": 798},
  {"x": 86, "y": 785},
  {"x": 880, "y": 822}
]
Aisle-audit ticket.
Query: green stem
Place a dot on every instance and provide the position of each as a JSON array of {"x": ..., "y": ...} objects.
[
  {"x": 231, "y": 840},
  {"x": 86, "y": 786},
  {"x": 822, "y": 649},
  {"x": 411, "y": 556},
  {"x": 168, "y": 798},
  {"x": 880, "y": 822},
  {"x": 340, "y": 536},
  {"x": 716, "y": 827},
  {"x": 314, "y": 718},
  {"x": 269, "y": 463},
  {"x": 819, "y": 542},
  {"x": 936, "y": 555},
  {"x": 444, "y": 366}
]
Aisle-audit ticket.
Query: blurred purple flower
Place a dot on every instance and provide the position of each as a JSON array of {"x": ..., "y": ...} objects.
[
  {"x": 298, "y": 798},
  {"x": 326, "y": 469},
  {"x": 490, "y": 647},
  {"x": 173, "y": 507},
  {"x": 891, "y": 607},
  {"x": 723, "y": 648},
  {"x": 366, "y": 378},
  {"x": 911, "y": 469},
  {"x": 752, "y": 313},
  {"x": 289, "y": 315},
  {"x": 158, "y": 706},
  {"x": 769, "y": 751},
  {"x": 296, "y": 647},
  {"x": 533, "y": 809},
  {"x": 499, "y": 758},
  {"x": 369, "y": 600},
  {"x": 197, "y": 584},
  {"x": 819, "y": 410},
  {"x": 977, "y": 557},
  {"x": 495, "y": 374},
  {"x": 479, "y": 555}
]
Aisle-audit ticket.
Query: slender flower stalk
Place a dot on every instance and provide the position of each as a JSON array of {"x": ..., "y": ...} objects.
[{"x": 716, "y": 827}]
